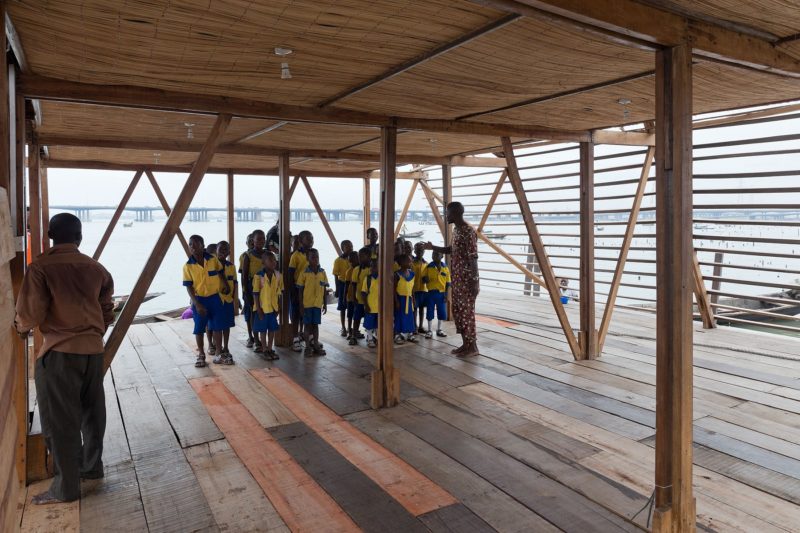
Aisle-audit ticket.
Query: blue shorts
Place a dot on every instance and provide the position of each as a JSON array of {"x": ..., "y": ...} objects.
[
  {"x": 438, "y": 302},
  {"x": 358, "y": 312},
  {"x": 371, "y": 321},
  {"x": 247, "y": 311},
  {"x": 312, "y": 315},
  {"x": 421, "y": 299},
  {"x": 268, "y": 323},
  {"x": 228, "y": 315},
  {"x": 342, "y": 304},
  {"x": 213, "y": 318},
  {"x": 351, "y": 309}
]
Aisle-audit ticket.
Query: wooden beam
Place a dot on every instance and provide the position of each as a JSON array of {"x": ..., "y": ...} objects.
[
  {"x": 230, "y": 215},
  {"x": 492, "y": 200},
  {"x": 588, "y": 335},
  {"x": 437, "y": 214},
  {"x": 148, "y": 98},
  {"x": 701, "y": 295},
  {"x": 117, "y": 214},
  {"x": 293, "y": 186},
  {"x": 366, "y": 216},
  {"x": 470, "y": 161},
  {"x": 742, "y": 117},
  {"x": 165, "y": 239},
  {"x": 322, "y": 217},
  {"x": 435, "y": 194},
  {"x": 165, "y": 206},
  {"x": 45, "y": 194},
  {"x": 637, "y": 23},
  {"x": 538, "y": 247},
  {"x": 385, "y": 378},
  {"x": 34, "y": 199},
  {"x": 629, "y": 138},
  {"x": 404, "y": 213},
  {"x": 285, "y": 193},
  {"x": 508, "y": 257},
  {"x": 674, "y": 501},
  {"x": 619, "y": 270},
  {"x": 258, "y": 133}
]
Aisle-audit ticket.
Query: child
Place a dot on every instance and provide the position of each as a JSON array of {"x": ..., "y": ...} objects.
[
  {"x": 404, "y": 327},
  {"x": 372, "y": 243},
  {"x": 229, "y": 318},
  {"x": 340, "y": 267},
  {"x": 298, "y": 263},
  {"x": 437, "y": 278},
  {"x": 357, "y": 279},
  {"x": 267, "y": 291},
  {"x": 350, "y": 292},
  {"x": 312, "y": 285},
  {"x": 420, "y": 289},
  {"x": 202, "y": 279},
  {"x": 399, "y": 247},
  {"x": 251, "y": 264},
  {"x": 211, "y": 249},
  {"x": 371, "y": 292}
]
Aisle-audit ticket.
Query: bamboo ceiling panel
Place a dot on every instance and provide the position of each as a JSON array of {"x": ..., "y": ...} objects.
[
  {"x": 315, "y": 136},
  {"x": 228, "y": 47}
]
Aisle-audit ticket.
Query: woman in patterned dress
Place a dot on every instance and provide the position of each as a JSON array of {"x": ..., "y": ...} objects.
[{"x": 466, "y": 282}]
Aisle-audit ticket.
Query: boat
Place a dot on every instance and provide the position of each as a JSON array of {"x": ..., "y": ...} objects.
[
  {"x": 495, "y": 236},
  {"x": 119, "y": 301},
  {"x": 785, "y": 303},
  {"x": 127, "y": 224},
  {"x": 405, "y": 234}
]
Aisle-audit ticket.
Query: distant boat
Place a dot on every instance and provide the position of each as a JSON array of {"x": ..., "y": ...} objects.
[
  {"x": 127, "y": 224},
  {"x": 119, "y": 301},
  {"x": 405, "y": 234},
  {"x": 600, "y": 228},
  {"x": 496, "y": 236}
]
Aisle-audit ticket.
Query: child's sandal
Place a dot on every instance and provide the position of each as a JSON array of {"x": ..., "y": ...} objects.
[{"x": 200, "y": 362}]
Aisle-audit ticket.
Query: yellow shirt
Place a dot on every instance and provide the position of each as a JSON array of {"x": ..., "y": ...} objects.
[
  {"x": 419, "y": 266},
  {"x": 268, "y": 290},
  {"x": 438, "y": 277},
  {"x": 203, "y": 278},
  {"x": 396, "y": 267},
  {"x": 359, "y": 274},
  {"x": 241, "y": 261},
  {"x": 314, "y": 285},
  {"x": 299, "y": 262},
  {"x": 405, "y": 285},
  {"x": 372, "y": 287},
  {"x": 351, "y": 288},
  {"x": 230, "y": 275},
  {"x": 340, "y": 268},
  {"x": 256, "y": 265}
]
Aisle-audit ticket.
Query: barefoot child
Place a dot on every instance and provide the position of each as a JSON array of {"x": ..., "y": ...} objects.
[
  {"x": 404, "y": 326},
  {"x": 228, "y": 315},
  {"x": 350, "y": 292},
  {"x": 312, "y": 285},
  {"x": 247, "y": 298},
  {"x": 357, "y": 279},
  {"x": 419, "y": 266},
  {"x": 371, "y": 292},
  {"x": 437, "y": 278},
  {"x": 267, "y": 291},
  {"x": 298, "y": 263},
  {"x": 203, "y": 279},
  {"x": 340, "y": 267}
]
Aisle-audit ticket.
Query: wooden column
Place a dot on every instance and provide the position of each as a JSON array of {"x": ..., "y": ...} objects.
[
  {"x": 45, "y": 199},
  {"x": 367, "y": 215},
  {"x": 165, "y": 239},
  {"x": 321, "y": 214},
  {"x": 117, "y": 214},
  {"x": 538, "y": 247},
  {"x": 674, "y": 501},
  {"x": 447, "y": 197},
  {"x": 34, "y": 199},
  {"x": 165, "y": 206},
  {"x": 385, "y": 379},
  {"x": 588, "y": 335},
  {"x": 232, "y": 234},
  {"x": 284, "y": 336}
]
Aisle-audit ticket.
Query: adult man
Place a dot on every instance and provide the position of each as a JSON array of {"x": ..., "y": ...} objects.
[
  {"x": 274, "y": 238},
  {"x": 464, "y": 272},
  {"x": 68, "y": 296}
]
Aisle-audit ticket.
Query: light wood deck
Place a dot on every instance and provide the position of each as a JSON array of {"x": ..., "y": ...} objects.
[{"x": 519, "y": 439}]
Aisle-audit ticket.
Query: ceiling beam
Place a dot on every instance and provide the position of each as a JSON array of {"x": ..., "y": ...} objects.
[
  {"x": 149, "y": 98},
  {"x": 422, "y": 58},
  {"x": 639, "y": 22},
  {"x": 259, "y": 132}
]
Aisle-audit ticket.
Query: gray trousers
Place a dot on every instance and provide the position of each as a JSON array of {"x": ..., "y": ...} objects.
[{"x": 72, "y": 404}]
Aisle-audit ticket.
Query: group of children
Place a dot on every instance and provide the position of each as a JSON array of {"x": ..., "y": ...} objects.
[{"x": 420, "y": 290}]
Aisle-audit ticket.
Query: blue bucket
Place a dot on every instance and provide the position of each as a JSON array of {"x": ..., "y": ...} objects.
[{"x": 564, "y": 299}]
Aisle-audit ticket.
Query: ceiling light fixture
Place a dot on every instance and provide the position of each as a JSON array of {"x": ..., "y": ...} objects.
[
  {"x": 189, "y": 132},
  {"x": 286, "y": 74},
  {"x": 625, "y": 102}
]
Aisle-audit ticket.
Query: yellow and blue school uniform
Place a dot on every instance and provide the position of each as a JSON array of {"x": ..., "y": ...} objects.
[
  {"x": 359, "y": 275},
  {"x": 314, "y": 285},
  {"x": 340, "y": 267},
  {"x": 267, "y": 290},
  {"x": 419, "y": 266},
  {"x": 350, "y": 291},
  {"x": 437, "y": 279},
  {"x": 371, "y": 291},
  {"x": 205, "y": 280},
  {"x": 229, "y": 271},
  {"x": 298, "y": 262},
  {"x": 404, "y": 315}
]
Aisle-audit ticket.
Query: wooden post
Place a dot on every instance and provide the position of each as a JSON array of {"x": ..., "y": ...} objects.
[
  {"x": 34, "y": 199},
  {"x": 285, "y": 191},
  {"x": 701, "y": 294},
  {"x": 232, "y": 234},
  {"x": 538, "y": 247},
  {"x": 367, "y": 214},
  {"x": 447, "y": 197},
  {"x": 530, "y": 288},
  {"x": 385, "y": 379},
  {"x": 588, "y": 335},
  {"x": 322, "y": 216},
  {"x": 493, "y": 199},
  {"x": 404, "y": 213},
  {"x": 165, "y": 239},
  {"x": 674, "y": 501},
  {"x": 719, "y": 257},
  {"x": 45, "y": 199},
  {"x": 165, "y": 206},
  {"x": 118, "y": 213},
  {"x": 605, "y": 322}
]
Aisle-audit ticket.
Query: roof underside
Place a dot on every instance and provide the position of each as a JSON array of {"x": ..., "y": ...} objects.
[{"x": 226, "y": 48}]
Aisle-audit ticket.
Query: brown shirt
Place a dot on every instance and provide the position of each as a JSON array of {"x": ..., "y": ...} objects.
[{"x": 68, "y": 295}]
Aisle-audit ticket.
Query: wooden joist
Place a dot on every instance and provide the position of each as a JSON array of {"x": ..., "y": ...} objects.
[
  {"x": 321, "y": 215},
  {"x": 167, "y": 210},
  {"x": 406, "y": 207},
  {"x": 117, "y": 214},
  {"x": 588, "y": 334}
]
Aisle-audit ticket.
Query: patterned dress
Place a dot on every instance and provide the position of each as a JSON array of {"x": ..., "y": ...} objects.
[{"x": 464, "y": 256}]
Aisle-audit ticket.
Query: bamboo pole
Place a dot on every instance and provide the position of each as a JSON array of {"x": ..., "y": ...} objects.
[
  {"x": 117, "y": 214},
  {"x": 167, "y": 234},
  {"x": 366, "y": 216},
  {"x": 538, "y": 247},
  {"x": 605, "y": 322},
  {"x": 284, "y": 336},
  {"x": 588, "y": 334},
  {"x": 165, "y": 206},
  {"x": 492, "y": 199},
  {"x": 322, "y": 216},
  {"x": 406, "y": 207}
]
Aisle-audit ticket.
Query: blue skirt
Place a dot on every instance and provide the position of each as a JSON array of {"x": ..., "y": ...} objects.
[
  {"x": 404, "y": 319},
  {"x": 371, "y": 321}
]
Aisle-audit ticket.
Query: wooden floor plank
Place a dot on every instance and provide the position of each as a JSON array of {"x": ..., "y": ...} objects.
[
  {"x": 235, "y": 498},
  {"x": 61, "y": 517},
  {"x": 455, "y": 519},
  {"x": 301, "y": 502},
  {"x": 756, "y": 438},
  {"x": 265, "y": 407}
]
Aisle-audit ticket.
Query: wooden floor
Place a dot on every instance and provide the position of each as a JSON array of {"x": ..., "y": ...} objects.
[{"x": 520, "y": 438}]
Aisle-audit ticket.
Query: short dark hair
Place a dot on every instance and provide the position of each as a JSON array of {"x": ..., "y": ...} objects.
[
  {"x": 365, "y": 251},
  {"x": 65, "y": 228},
  {"x": 197, "y": 238},
  {"x": 458, "y": 207},
  {"x": 346, "y": 241},
  {"x": 304, "y": 233},
  {"x": 312, "y": 251},
  {"x": 257, "y": 232},
  {"x": 268, "y": 254}
]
